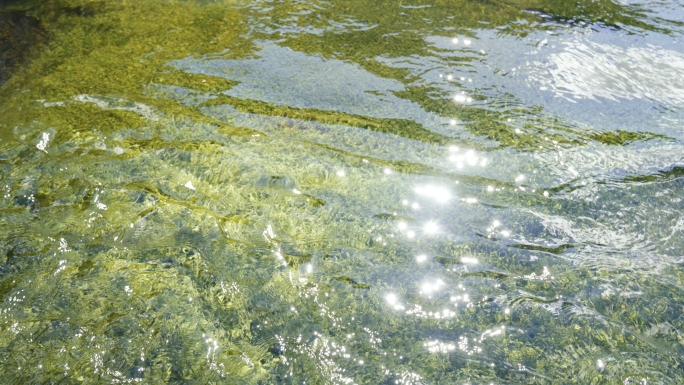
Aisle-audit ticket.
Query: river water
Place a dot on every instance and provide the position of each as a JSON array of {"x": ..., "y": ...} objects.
[{"x": 342, "y": 192}]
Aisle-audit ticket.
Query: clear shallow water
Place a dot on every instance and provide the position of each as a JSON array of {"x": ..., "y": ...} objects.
[{"x": 342, "y": 192}]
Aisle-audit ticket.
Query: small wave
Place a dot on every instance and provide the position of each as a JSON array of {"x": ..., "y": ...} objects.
[{"x": 588, "y": 70}]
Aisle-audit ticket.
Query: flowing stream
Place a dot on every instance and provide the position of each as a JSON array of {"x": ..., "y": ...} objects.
[{"x": 342, "y": 192}]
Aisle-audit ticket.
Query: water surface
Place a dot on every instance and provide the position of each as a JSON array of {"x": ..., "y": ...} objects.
[{"x": 343, "y": 192}]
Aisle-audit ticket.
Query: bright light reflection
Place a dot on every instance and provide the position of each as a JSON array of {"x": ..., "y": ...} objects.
[
  {"x": 471, "y": 158},
  {"x": 387, "y": 171},
  {"x": 492, "y": 333},
  {"x": 437, "y": 346},
  {"x": 543, "y": 276},
  {"x": 391, "y": 298},
  {"x": 431, "y": 287},
  {"x": 470, "y": 260},
  {"x": 440, "y": 194},
  {"x": 402, "y": 226},
  {"x": 340, "y": 173},
  {"x": 421, "y": 258},
  {"x": 430, "y": 227},
  {"x": 411, "y": 234}
]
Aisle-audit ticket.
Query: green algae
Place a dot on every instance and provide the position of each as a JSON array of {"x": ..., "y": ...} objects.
[
  {"x": 117, "y": 44},
  {"x": 402, "y": 127},
  {"x": 621, "y": 138},
  {"x": 19, "y": 35}
]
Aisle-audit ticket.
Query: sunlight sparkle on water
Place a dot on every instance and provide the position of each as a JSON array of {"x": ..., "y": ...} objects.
[
  {"x": 440, "y": 194},
  {"x": 431, "y": 227},
  {"x": 468, "y": 158},
  {"x": 428, "y": 288},
  {"x": 470, "y": 260},
  {"x": 437, "y": 346}
]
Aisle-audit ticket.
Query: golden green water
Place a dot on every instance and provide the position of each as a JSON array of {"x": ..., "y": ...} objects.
[{"x": 342, "y": 192}]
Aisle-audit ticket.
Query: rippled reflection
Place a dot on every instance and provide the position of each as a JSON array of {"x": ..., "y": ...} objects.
[{"x": 594, "y": 70}]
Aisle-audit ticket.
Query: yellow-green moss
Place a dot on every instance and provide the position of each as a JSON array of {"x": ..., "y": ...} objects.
[{"x": 115, "y": 50}]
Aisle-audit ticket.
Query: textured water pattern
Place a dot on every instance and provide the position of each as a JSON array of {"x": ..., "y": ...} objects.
[{"x": 344, "y": 192}]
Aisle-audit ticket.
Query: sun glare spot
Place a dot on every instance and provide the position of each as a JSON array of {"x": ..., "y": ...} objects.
[
  {"x": 440, "y": 194},
  {"x": 431, "y": 227}
]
